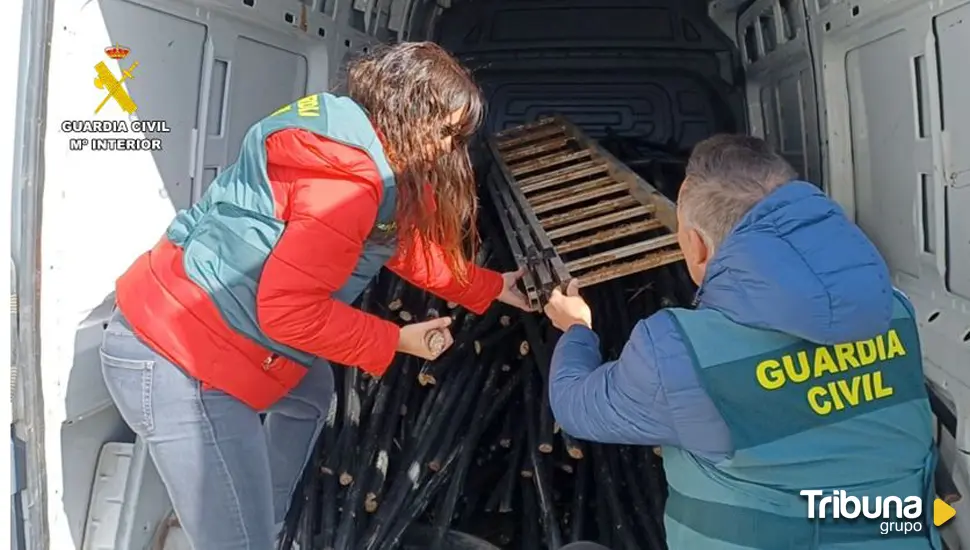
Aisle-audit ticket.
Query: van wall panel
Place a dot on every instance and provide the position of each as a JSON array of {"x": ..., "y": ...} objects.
[
  {"x": 883, "y": 135},
  {"x": 263, "y": 79},
  {"x": 953, "y": 35},
  {"x": 165, "y": 85}
]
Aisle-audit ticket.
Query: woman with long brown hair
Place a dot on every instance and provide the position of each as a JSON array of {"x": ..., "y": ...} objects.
[{"x": 245, "y": 300}]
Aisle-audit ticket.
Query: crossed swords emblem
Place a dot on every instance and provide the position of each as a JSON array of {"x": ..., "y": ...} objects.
[{"x": 107, "y": 81}]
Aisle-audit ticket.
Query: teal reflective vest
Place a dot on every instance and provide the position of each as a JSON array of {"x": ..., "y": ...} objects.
[
  {"x": 854, "y": 416},
  {"x": 229, "y": 234}
]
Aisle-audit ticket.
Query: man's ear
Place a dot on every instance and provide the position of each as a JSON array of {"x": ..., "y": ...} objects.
[
  {"x": 696, "y": 253},
  {"x": 701, "y": 252}
]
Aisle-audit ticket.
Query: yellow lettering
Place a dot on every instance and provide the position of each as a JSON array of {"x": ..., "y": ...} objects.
[
  {"x": 881, "y": 347},
  {"x": 851, "y": 395},
  {"x": 770, "y": 375},
  {"x": 880, "y": 390},
  {"x": 282, "y": 110},
  {"x": 867, "y": 389},
  {"x": 308, "y": 106},
  {"x": 824, "y": 363},
  {"x": 867, "y": 352},
  {"x": 895, "y": 345},
  {"x": 816, "y": 402},
  {"x": 842, "y": 394},
  {"x": 803, "y": 373},
  {"x": 845, "y": 353},
  {"x": 834, "y": 394}
]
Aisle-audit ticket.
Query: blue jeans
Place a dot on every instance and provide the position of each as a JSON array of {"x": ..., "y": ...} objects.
[{"x": 230, "y": 476}]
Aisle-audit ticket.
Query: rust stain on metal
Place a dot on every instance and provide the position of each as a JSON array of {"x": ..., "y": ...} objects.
[
  {"x": 577, "y": 198},
  {"x": 595, "y": 223},
  {"x": 622, "y": 252},
  {"x": 542, "y": 163},
  {"x": 602, "y": 207},
  {"x": 513, "y": 137},
  {"x": 545, "y": 146},
  {"x": 562, "y": 192},
  {"x": 607, "y": 235},
  {"x": 649, "y": 262},
  {"x": 562, "y": 175}
]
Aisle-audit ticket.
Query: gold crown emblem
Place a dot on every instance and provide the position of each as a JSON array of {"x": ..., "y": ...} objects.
[{"x": 117, "y": 52}]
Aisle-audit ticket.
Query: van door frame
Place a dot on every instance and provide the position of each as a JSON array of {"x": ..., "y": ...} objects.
[{"x": 31, "y": 31}]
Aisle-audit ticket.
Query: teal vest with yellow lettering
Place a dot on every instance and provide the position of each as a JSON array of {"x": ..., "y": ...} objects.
[
  {"x": 852, "y": 416},
  {"x": 228, "y": 235}
]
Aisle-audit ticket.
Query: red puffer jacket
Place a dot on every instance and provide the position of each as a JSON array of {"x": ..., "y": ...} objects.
[{"x": 310, "y": 176}]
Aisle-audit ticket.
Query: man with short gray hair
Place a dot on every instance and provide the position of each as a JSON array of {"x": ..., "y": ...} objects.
[
  {"x": 798, "y": 373},
  {"x": 729, "y": 174}
]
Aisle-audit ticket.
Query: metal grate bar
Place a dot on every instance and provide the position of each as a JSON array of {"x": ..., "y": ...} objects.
[
  {"x": 563, "y": 192},
  {"x": 601, "y": 221},
  {"x": 651, "y": 261},
  {"x": 602, "y": 207},
  {"x": 607, "y": 235},
  {"x": 547, "y": 162},
  {"x": 596, "y": 193},
  {"x": 537, "y": 148},
  {"x": 517, "y": 135},
  {"x": 562, "y": 175}
]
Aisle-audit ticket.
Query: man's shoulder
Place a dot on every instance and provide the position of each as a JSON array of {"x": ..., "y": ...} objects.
[
  {"x": 658, "y": 328},
  {"x": 659, "y": 339},
  {"x": 904, "y": 301}
]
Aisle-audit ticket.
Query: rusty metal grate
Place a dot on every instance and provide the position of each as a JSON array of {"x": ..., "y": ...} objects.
[{"x": 570, "y": 209}]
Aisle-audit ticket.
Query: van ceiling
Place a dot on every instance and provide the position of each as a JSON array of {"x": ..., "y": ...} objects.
[{"x": 656, "y": 69}]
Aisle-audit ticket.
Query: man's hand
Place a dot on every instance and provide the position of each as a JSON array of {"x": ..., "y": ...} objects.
[
  {"x": 510, "y": 292},
  {"x": 566, "y": 310}
]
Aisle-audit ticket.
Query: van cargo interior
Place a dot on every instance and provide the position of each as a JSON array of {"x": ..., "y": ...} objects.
[{"x": 865, "y": 99}]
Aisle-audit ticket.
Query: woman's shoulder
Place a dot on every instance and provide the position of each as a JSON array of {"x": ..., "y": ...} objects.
[
  {"x": 321, "y": 178},
  {"x": 301, "y": 149}
]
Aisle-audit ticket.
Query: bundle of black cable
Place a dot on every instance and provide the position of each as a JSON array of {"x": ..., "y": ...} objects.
[{"x": 463, "y": 452}]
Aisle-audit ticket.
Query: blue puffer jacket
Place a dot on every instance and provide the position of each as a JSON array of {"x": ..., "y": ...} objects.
[{"x": 794, "y": 264}]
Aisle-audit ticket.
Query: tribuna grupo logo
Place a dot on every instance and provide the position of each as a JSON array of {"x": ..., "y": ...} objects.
[{"x": 895, "y": 514}]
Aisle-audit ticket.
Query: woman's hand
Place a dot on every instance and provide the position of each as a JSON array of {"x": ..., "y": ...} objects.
[
  {"x": 416, "y": 339},
  {"x": 511, "y": 294}
]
